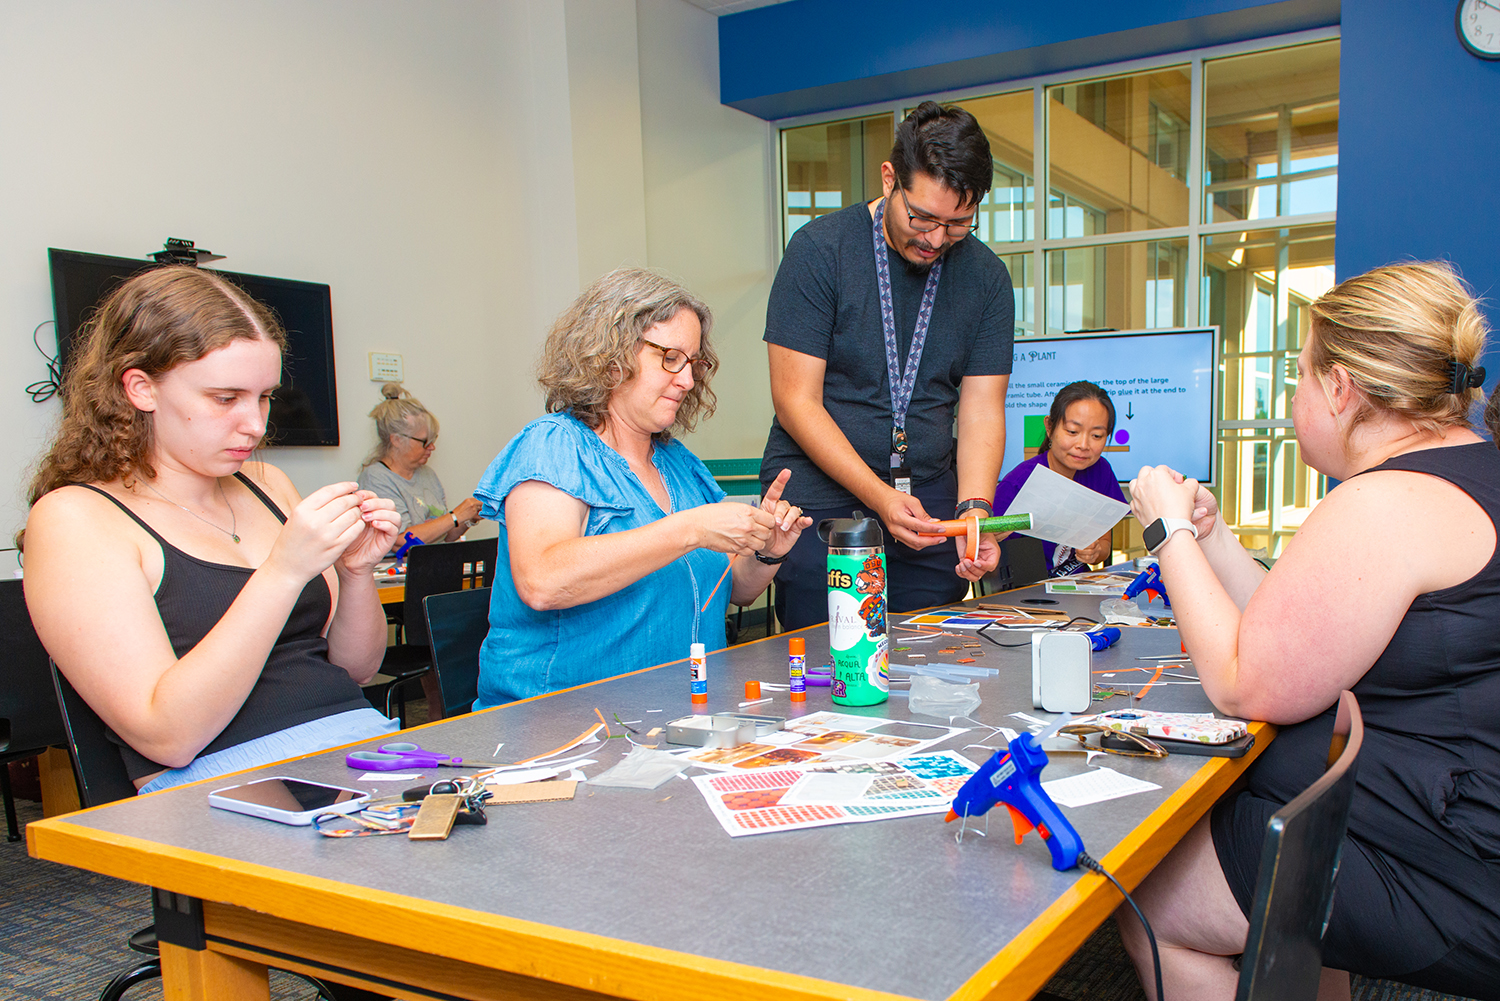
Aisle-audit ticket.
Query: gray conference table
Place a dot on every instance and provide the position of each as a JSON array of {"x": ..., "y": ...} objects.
[{"x": 637, "y": 894}]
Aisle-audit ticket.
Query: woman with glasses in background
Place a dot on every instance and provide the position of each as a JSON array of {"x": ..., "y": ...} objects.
[
  {"x": 615, "y": 541},
  {"x": 397, "y": 469}
]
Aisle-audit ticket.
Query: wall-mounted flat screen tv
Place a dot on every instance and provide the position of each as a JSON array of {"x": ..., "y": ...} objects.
[
  {"x": 305, "y": 410},
  {"x": 1164, "y": 384}
]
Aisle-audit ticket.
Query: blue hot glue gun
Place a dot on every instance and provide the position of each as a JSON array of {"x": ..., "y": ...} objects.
[
  {"x": 1149, "y": 580},
  {"x": 1011, "y": 777},
  {"x": 1103, "y": 639}
]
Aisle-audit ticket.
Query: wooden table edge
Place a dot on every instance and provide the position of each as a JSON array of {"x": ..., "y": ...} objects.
[
  {"x": 1025, "y": 965},
  {"x": 581, "y": 960}
]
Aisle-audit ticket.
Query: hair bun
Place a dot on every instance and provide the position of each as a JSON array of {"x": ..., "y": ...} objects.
[{"x": 393, "y": 391}]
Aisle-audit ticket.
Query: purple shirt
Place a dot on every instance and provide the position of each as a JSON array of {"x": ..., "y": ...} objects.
[{"x": 1100, "y": 478}]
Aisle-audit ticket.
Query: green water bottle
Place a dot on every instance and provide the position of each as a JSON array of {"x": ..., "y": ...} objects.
[{"x": 856, "y": 610}]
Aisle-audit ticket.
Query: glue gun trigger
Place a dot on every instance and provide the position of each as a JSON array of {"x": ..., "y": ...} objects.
[{"x": 1019, "y": 822}]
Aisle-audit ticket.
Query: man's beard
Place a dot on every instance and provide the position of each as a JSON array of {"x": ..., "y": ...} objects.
[{"x": 922, "y": 267}]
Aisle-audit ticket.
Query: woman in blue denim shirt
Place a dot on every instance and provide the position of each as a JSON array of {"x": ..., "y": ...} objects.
[{"x": 613, "y": 536}]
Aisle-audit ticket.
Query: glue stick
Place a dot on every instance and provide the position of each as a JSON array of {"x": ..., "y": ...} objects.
[
  {"x": 796, "y": 660},
  {"x": 698, "y": 673}
]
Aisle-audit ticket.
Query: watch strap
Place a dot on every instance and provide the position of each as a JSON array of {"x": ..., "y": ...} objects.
[
  {"x": 973, "y": 502},
  {"x": 1170, "y": 527},
  {"x": 772, "y": 561}
]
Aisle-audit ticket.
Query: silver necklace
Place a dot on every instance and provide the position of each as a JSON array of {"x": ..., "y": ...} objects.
[{"x": 234, "y": 523}]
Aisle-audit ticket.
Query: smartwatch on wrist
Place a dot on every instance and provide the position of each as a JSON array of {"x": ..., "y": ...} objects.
[
  {"x": 454, "y": 517},
  {"x": 971, "y": 503},
  {"x": 1159, "y": 531}
]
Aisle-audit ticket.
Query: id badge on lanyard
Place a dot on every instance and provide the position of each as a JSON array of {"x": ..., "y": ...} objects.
[
  {"x": 902, "y": 381},
  {"x": 900, "y": 471}
]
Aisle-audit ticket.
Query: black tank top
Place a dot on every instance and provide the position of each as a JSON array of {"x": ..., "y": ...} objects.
[
  {"x": 1429, "y": 773},
  {"x": 297, "y": 683}
]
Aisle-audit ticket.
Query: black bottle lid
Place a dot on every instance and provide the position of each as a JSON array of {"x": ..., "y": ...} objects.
[{"x": 857, "y": 532}]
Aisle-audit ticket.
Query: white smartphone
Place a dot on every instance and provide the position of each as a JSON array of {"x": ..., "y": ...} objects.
[{"x": 287, "y": 800}]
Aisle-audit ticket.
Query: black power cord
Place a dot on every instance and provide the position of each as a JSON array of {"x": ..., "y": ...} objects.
[
  {"x": 1093, "y": 866},
  {"x": 46, "y": 388}
]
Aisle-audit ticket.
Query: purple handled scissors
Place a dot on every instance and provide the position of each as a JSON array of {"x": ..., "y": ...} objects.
[{"x": 398, "y": 756}]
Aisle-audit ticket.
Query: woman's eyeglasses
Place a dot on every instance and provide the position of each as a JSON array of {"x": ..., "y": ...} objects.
[
  {"x": 674, "y": 361},
  {"x": 424, "y": 442},
  {"x": 1144, "y": 747}
]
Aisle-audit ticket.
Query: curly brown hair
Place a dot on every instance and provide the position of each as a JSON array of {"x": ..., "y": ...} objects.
[
  {"x": 154, "y": 322},
  {"x": 592, "y": 348}
]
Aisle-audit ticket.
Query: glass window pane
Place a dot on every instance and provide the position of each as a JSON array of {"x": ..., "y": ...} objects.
[
  {"x": 1271, "y": 133},
  {"x": 831, "y": 165},
  {"x": 1118, "y": 154},
  {"x": 1125, "y": 286},
  {"x": 1005, "y": 214},
  {"x": 1257, "y": 287}
]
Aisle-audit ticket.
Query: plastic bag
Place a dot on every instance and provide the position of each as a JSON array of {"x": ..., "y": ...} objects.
[
  {"x": 642, "y": 768},
  {"x": 1121, "y": 611},
  {"x": 941, "y": 699}
]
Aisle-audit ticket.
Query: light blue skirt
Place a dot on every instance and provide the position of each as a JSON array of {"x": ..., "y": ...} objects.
[{"x": 305, "y": 738}]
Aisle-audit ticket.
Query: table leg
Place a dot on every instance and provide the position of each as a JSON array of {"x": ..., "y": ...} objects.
[
  {"x": 203, "y": 975},
  {"x": 59, "y": 789}
]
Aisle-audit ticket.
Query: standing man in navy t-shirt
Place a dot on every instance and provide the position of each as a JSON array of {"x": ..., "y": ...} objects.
[{"x": 881, "y": 315}]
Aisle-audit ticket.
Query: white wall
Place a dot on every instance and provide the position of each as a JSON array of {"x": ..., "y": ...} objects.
[
  {"x": 709, "y": 217},
  {"x": 456, "y": 170}
]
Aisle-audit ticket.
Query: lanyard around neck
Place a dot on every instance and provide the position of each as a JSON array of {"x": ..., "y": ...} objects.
[{"x": 901, "y": 384}]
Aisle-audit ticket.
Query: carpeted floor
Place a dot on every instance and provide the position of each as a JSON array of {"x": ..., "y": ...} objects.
[{"x": 63, "y": 934}]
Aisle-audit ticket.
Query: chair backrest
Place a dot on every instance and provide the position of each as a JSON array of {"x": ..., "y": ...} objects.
[
  {"x": 1022, "y": 562},
  {"x": 439, "y": 568},
  {"x": 97, "y": 763},
  {"x": 457, "y": 623},
  {"x": 29, "y": 717},
  {"x": 1298, "y": 863}
]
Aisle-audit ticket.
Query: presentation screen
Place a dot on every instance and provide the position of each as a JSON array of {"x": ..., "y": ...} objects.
[{"x": 1164, "y": 384}]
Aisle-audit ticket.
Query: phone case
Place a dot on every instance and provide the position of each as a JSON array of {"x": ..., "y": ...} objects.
[
  {"x": 295, "y": 819},
  {"x": 1172, "y": 726}
]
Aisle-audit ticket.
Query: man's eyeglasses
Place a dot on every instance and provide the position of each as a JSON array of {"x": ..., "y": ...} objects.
[
  {"x": 674, "y": 361},
  {"x": 424, "y": 442},
  {"x": 926, "y": 224}
]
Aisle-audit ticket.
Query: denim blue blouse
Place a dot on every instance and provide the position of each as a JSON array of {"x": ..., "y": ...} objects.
[{"x": 650, "y": 622}]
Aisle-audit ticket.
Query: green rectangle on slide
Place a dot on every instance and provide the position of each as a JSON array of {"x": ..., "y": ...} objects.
[{"x": 1036, "y": 430}]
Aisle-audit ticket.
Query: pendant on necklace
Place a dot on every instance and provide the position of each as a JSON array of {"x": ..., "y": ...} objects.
[{"x": 236, "y": 538}]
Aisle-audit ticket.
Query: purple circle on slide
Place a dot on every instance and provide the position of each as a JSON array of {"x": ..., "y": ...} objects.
[{"x": 1122, "y": 436}]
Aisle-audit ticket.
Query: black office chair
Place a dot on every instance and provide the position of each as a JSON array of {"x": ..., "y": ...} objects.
[
  {"x": 102, "y": 778},
  {"x": 434, "y": 569},
  {"x": 1283, "y": 957},
  {"x": 1022, "y": 562},
  {"x": 457, "y": 624},
  {"x": 30, "y": 721}
]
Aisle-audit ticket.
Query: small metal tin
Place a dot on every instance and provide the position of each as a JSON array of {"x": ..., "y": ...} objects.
[
  {"x": 763, "y": 724},
  {"x": 710, "y": 731}
]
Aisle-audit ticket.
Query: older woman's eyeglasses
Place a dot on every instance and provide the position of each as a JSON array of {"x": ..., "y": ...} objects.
[
  {"x": 424, "y": 442},
  {"x": 674, "y": 361}
]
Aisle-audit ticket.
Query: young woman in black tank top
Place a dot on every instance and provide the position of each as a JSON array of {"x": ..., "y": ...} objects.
[
  {"x": 1391, "y": 588},
  {"x": 196, "y": 602}
]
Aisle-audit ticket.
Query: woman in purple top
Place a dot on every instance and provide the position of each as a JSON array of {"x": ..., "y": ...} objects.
[{"x": 1079, "y": 425}]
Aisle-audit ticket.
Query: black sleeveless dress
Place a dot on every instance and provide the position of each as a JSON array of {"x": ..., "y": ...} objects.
[
  {"x": 1418, "y": 891},
  {"x": 297, "y": 683}
]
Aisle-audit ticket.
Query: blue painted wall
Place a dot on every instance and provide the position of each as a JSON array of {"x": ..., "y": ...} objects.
[
  {"x": 1419, "y": 148},
  {"x": 817, "y": 55}
]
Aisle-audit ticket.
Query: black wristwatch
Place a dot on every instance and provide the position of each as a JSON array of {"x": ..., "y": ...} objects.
[{"x": 772, "y": 561}]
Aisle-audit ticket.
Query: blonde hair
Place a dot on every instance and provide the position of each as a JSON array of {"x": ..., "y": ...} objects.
[
  {"x": 1397, "y": 330},
  {"x": 394, "y": 415},
  {"x": 154, "y": 321},
  {"x": 591, "y": 350}
]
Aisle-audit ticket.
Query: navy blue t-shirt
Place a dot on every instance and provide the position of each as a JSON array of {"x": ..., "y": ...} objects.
[{"x": 825, "y": 303}]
